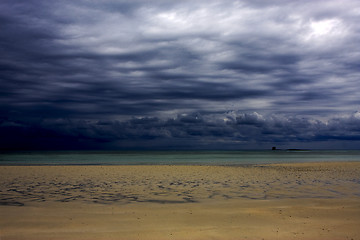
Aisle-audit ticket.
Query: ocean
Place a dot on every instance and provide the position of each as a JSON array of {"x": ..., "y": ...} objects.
[{"x": 175, "y": 157}]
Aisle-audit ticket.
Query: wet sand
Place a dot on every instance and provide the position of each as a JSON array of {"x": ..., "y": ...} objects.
[{"x": 279, "y": 201}]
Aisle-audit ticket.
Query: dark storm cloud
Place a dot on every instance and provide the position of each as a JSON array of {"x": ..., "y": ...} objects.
[
  {"x": 108, "y": 62},
  {"x": 192, "y": 131}
]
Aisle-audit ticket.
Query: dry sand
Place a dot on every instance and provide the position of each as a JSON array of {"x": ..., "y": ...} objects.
[{"x": 279, "y": 201}]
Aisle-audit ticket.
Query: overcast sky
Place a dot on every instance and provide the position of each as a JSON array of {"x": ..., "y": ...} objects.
[{"x": 179, "y": 74}]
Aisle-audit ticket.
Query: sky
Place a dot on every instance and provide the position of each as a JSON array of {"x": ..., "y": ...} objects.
[{"x": 162, "y": 74}]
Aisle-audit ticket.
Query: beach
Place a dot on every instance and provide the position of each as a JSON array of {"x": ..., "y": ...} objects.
[{"x": 269, "y": 201}]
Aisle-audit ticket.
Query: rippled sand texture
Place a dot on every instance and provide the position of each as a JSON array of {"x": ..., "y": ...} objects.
[{"x": 282, "y": 201}]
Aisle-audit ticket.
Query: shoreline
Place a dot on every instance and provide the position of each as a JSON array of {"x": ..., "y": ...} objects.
[
  {"x": 175, "y": 165},
  {"x": 197, "y": 158},
  {"x": 264, "y": 201}
]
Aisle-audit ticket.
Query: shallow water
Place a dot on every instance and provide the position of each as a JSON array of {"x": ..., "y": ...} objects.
[{"x": 175, "y": 157}]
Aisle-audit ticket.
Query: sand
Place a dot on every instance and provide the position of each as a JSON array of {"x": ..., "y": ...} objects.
[{"x": 279, "y": 201}]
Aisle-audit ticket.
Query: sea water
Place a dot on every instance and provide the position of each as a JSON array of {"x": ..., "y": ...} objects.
[{"x": 175, "y": 157}]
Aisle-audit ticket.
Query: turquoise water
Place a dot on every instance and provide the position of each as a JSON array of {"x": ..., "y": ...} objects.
[{"x": 175, "y": 157}]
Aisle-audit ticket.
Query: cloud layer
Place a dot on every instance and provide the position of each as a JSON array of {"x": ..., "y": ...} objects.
[
  {"x": 187, "y": 131},
  {"x": 70, "y": 63}
]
